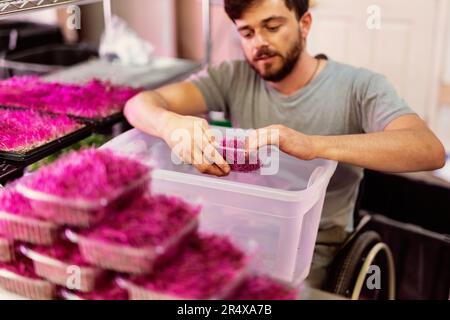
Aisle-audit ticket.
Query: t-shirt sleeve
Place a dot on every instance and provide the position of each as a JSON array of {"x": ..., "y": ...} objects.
[
  {"x": 214, "y": 83},
  {"x": 380, "y": 104}
]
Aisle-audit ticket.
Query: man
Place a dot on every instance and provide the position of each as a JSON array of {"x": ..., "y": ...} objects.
[{"x": 321, "y": 109}]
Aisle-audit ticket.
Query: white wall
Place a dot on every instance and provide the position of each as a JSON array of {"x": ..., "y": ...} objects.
[
  {"x": 443, "y": 113},
  {"x": 446, "y": 76},
  {"x": 154, "y": 20},
  {"x": 190, "y": 42}
]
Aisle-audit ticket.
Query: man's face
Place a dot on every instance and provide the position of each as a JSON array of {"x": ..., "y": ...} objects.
[{"x": 271, "y": 39}]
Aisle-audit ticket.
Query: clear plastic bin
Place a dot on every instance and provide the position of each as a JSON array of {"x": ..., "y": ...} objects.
[
  {"x": 127, "y": 259},
  {"x": 35, "y": 289},
  {"x": 281, "y": 211},
  {"x": 58, "y": 272},
  {"x": 27, "y": 229},
  {"x": 81, "y": 213}
]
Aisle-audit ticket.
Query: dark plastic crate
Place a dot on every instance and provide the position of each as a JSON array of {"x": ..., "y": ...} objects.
[
  {"x": 422, "y": 257},
  {"x": 406, "y": 200},
  {"x": 20, "y": 35},
  {"x": 47, "y": 59}
]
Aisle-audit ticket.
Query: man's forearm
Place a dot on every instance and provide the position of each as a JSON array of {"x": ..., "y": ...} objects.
[
  {"x": 392, "y": 151},
  {"x": 147, "y": 112}
]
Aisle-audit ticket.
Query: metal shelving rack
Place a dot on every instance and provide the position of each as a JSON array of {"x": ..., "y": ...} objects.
[
  {"x": 10, "y": 8},
  {"x": 207, "y": 27},
  {"x": 13, "y": 7}
]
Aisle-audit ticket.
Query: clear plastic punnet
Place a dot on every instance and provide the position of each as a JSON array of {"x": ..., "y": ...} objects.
[
  {"x": 61, "y": 272},
  {"x": 127, "y": 259},
  {"x": 28, "y": 229},
  {"x": 279, "y": 206},
  {"x": 32, "y": 288},
  {"x": 138, "y": 292},
  {"x": 209, "y": 267},
  {"x": 81, "y": 213},
  {"x": 262, "y": 287},
  {"x": 70, "y": 295},
  {"x": 58, "y": 192},
  {"x": 6, "y": 250},
  {"x": 134, "y": 239},
  {"x": 108, "y": 290},
  {"x": 232, "y": 149},
  {"x": 18, "y": 221}
]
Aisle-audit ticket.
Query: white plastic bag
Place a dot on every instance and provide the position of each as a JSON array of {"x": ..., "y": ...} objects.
[{"x": 122, "y": 44}]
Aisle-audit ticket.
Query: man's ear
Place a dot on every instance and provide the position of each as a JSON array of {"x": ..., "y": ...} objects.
[{"x": 305, "y": 24}]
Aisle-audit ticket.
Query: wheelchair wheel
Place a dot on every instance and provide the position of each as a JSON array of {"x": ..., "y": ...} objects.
[{"x": 348, "y": 263}]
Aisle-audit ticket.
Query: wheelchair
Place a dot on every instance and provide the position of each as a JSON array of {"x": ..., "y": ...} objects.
[{"x": 350, "y": 270}]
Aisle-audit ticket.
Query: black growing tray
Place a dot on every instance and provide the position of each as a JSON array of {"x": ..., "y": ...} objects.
[
  {"x": 47, "y": 149},
  {"x": 102, "y": 123},
  {"x": 9, "y": 172},
  {"x": 95, "y": 123}
]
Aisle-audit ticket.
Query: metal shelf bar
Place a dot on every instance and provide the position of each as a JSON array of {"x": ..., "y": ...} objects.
[
  {"x": 11, "y": 7},
  {"x": 207, "y": 36}
]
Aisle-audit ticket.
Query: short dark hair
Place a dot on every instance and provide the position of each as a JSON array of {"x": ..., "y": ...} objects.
[{"x": 235, "y": 8}]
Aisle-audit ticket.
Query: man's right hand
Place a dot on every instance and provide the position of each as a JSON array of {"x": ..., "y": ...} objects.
[
  {"x": 192, "y": 141},
  {"x": 165, "y": 114}
]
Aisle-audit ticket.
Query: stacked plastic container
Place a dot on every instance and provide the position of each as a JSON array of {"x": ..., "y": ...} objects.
[
  {"x": 89, "y": 227},
  {"x": 19, "y": 224},
  {"x": 77, "y": 192}
]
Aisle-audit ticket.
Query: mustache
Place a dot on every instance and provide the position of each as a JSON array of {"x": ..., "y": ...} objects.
[{"x": 264, "y": 53}]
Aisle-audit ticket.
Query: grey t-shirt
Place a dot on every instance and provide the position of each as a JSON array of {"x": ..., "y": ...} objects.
[{"x": 340, "y": 100}]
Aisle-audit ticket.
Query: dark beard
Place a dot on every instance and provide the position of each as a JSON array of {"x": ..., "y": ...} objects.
[{"x": 289, "y": 63}]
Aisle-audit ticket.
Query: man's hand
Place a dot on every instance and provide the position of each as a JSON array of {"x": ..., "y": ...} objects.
[
  {"x": 191, "y": 140},
  {"x": 289, "y": 141},
  {"x": 405, "y": 145},
  {"x": 159, "y": 113}
]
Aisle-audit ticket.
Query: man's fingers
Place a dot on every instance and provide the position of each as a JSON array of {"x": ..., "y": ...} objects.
[
  {"x": 214, "y": 156},
  {"x": 251, "y": 142},
  {"x": 212, "y": 153},
  {"x": 209, "y": 134},
  {"x": 203, "y": 165},
  {"x": 214, "y": 170},
  {"x": 262, "y": 137}
]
